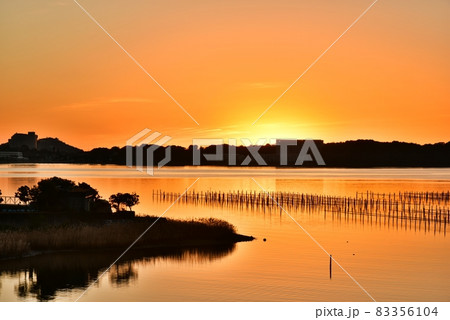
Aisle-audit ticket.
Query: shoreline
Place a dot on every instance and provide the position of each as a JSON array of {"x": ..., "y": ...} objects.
[
  {"x": 188, "y": 244},
  {"x": 270, "y": 166}
]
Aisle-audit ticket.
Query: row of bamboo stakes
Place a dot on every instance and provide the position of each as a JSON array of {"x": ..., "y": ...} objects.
[{"x": 419, "y": 206}]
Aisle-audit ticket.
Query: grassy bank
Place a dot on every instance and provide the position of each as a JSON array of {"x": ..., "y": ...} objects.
[{"x": 17, "y": 242}]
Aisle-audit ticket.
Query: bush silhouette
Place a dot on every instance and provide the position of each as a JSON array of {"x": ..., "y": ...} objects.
[{"x": 120, "y": 200}]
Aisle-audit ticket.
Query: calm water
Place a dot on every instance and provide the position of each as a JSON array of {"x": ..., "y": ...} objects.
[{"x": 392, "y": 260}]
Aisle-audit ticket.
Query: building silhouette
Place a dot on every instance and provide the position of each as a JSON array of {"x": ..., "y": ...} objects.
[
  {"x": 20, "y": 140},
  {"x": 11, "y": 155}
]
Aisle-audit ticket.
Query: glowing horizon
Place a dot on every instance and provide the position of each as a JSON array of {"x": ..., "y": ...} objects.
[{"x": 225, "y": 63}]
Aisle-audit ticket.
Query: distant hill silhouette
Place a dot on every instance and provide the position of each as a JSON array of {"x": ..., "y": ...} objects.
[
  {"x": 47, "y": 150},
  {"x": 56, "y": 145},
  {"x": 348, "y": 154}
]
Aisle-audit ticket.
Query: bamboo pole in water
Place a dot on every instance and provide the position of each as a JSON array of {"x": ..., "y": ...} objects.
[
  {"x": 413, "y": 206},
  {"x": 331, "y": 261}
]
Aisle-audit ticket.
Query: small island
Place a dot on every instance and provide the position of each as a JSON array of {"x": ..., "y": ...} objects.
[{"x": 61, "y": 215}]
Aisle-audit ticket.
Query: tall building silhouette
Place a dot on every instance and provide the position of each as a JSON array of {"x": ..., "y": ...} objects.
[{"x": 19, "y": 140}]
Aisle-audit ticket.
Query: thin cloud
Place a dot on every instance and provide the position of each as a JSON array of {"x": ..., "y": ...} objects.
[{"x": 103, "y": 102}]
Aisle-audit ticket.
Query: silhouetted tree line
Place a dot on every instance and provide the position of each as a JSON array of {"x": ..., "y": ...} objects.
[
  {"x": 58, "y": 194},
  {"x": 353, "y": 154}
]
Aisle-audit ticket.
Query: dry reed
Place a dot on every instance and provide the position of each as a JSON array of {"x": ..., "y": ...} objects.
[{"x": 115, "y": 234}]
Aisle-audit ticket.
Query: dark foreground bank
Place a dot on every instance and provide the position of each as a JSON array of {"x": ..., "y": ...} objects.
[{"x": 28, "y": 237}]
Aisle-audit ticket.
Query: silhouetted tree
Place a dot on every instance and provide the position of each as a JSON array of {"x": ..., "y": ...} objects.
[
  {"x": 87, "y": 190},
  {"x": 1, "y": 199},
  {"x": 119, "y": 200},
  {"x": 131, "y": 200},
  {"x": 23, "y": 193},
  {"x": 53, "y": 193},
  {"x": 115, "y": 201}
]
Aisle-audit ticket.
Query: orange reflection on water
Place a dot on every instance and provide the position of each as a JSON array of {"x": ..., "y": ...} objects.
[{"x": 394, "y": 260}]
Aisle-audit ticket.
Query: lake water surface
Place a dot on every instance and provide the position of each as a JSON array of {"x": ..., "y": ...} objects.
[{"x": 392, "y": 259}]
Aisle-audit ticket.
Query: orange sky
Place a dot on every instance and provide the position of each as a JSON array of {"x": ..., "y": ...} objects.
[{"x": 225, "y": 62}]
